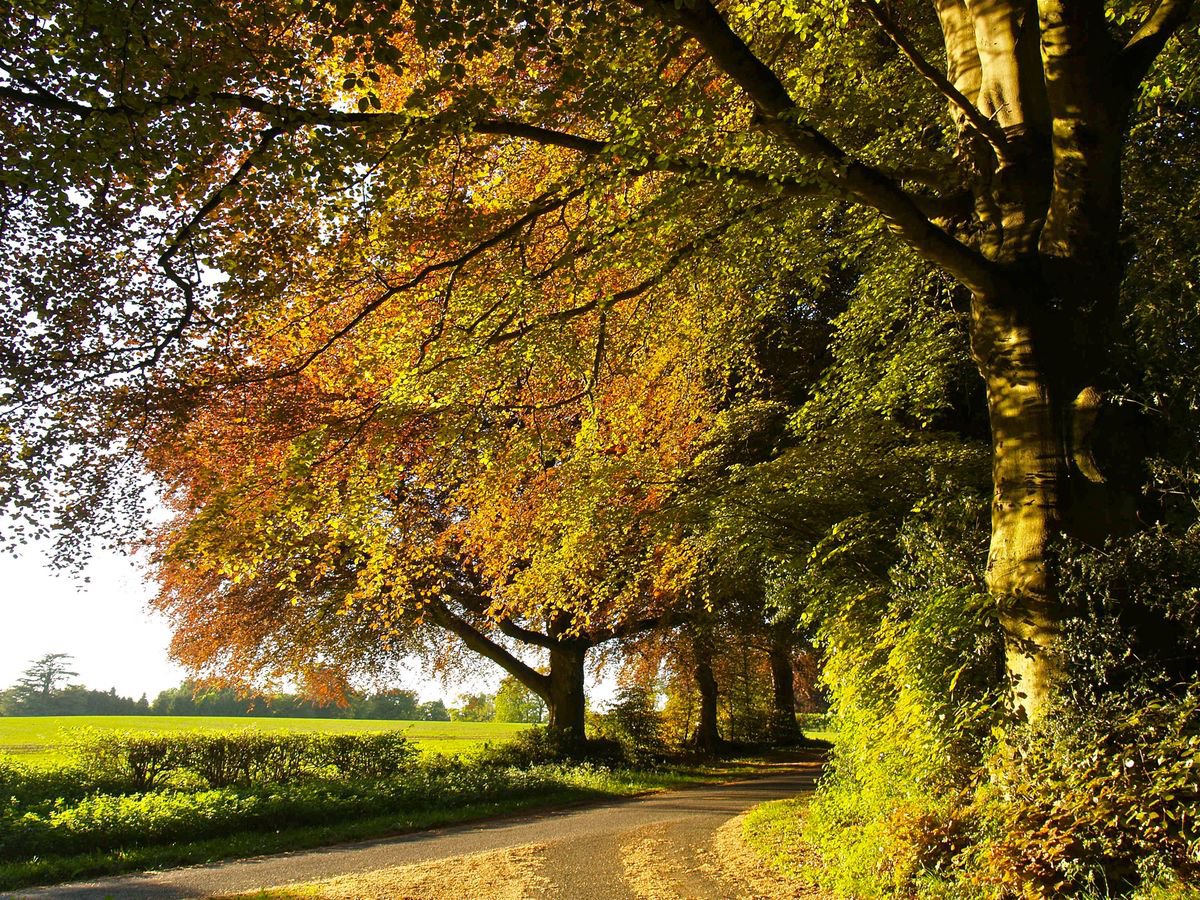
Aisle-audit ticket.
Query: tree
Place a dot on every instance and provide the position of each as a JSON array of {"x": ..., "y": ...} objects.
[
  {"x": 1015, "y": 196},
  {"x": 707, "y": 735},
  {"x": 45, "y": 675},
  {"x": 516, "y": 703},
  {"x": 537, "y": 237},
  {"x": 250, "y": 599},
  {"x": 435, "y": 711},
  {"x": 306, "y": 533},
  {"x": 394, "y": 704},
  {"x": 633, "y": 719},
  {"x": 474, "y": 708}
]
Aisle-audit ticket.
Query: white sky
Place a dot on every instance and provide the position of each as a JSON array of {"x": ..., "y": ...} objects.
[{"x": 104, "y": 623}]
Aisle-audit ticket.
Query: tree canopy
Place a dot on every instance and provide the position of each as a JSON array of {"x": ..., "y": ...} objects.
[{"x": 556, "y": 326}]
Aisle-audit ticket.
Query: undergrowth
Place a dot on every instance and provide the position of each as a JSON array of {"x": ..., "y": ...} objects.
[{"x": 934, "y": 790}]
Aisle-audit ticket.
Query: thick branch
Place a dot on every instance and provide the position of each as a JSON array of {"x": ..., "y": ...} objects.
[
  {"x": 526, "y": 635},
  {"x": 986, "y": 127},
  {"x": 868, "y": 185},
  {"x": 540, "y": 135},
  {"x": 629, "y": 629},
  {"x": 1148, "y": 41},
  {"x": 290, "y": 117},
  {"x": 485, "y": 646}
]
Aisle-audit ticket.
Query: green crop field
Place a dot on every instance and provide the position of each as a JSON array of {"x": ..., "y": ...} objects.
[{"x": 45, "y": 740}]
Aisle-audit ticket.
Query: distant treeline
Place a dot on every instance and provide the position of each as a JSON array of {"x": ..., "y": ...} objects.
[
  {"x": 189, "y": 700},
  {"x": 73, "y": 700},
  {"x": 43, "y": 691}
]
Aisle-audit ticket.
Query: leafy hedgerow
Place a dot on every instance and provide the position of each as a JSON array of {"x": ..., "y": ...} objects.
[
  {"x": 145, "y": 791},
  {"x": 107, "y": 821},
  {"x": 143, "y": 762}
]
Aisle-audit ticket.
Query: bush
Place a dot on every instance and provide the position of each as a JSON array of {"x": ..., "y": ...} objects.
[
  {"x": 539, "y": 746},
  {"x": 933, "y": 791},
  {"x": 141, "y": 762},
  {"x": 373, "y": 755},
  {"x": 633, "y": 722},
  {"x": 23, "y": 786},
  {"x": 106, "y": 822},
  {"x": 1103, "y": 802}
]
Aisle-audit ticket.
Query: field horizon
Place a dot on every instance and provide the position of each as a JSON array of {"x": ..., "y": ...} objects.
[{"x": 46, "y": 740}]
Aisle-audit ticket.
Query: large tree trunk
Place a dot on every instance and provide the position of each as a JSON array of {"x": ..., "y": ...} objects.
[
  {"x": 783, "y": 694},
  {"x": 707, "y": 736},
  {"x": 1028, "y": 457},
  {"x": 1048, "y": 205},
  {"x": 565, "y": 696}
]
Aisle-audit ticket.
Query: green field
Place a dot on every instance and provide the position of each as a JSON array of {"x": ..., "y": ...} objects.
[{"x": 45, "y": 740}]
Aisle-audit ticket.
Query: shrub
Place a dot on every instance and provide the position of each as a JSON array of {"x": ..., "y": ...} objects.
[
  {"x": 934, "y": 792},
  {"x": 539, "y": 746},
  {"x": 23, "y": 786},
  {"x": 634, "y": 722},
  {"x": 106, "y": 822},
  {"x": 1102, "y": 802},
  {"x": 375, "y": 755},
  {"x": 141, "y": 762}
]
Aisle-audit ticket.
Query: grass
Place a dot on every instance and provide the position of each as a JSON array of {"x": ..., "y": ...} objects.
[
  {"x": 54, "y": 869},
  {"x": 45, "y": 740},
  {"x": 821, "y": 734},
  {"x": 774, "y": 831}
]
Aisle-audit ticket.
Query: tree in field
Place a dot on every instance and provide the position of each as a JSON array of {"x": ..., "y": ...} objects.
[
  {"x": 40, "y": 690},
  {"x": 289, "y": 558},
  {"x": 318, "y": 525},
  {"x": 516, "y": 703},
  {"x": 45, "y": 675},
  {"x": 393, "y": 704},
  {"x": 474, "y": 708},
  {"x": 435, "y": 711}
]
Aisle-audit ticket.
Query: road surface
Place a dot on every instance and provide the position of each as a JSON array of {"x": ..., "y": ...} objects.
[{"x": 610, "y": 851}]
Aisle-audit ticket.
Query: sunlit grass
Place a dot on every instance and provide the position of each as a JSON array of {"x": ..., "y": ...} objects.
[{"x": 46, "y": 740}]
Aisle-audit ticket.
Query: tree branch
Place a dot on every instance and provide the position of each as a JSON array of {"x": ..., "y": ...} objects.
[
  {"x": 188, "y": 229},
  {"x": 866, "y": 184},
  {"x": 526, "y": 635},
  {"x": 604, "y": 304},
  {"x": 987, "y": 128},
  {"x": 538, "y": 209},
  {"x": 485, "y": 646},
  {"x": 290, "y": 117},
  {"x": 540, "y": 135},
  {"x": 669, "y": 619},
  {"x": 1143, "y": 48}
]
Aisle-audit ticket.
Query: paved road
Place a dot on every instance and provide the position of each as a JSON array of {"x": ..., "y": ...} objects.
[{"x": 582, "y": 849}]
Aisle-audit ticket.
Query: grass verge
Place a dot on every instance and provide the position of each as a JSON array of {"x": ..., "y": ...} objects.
[{"x": 774, "y": 831}]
